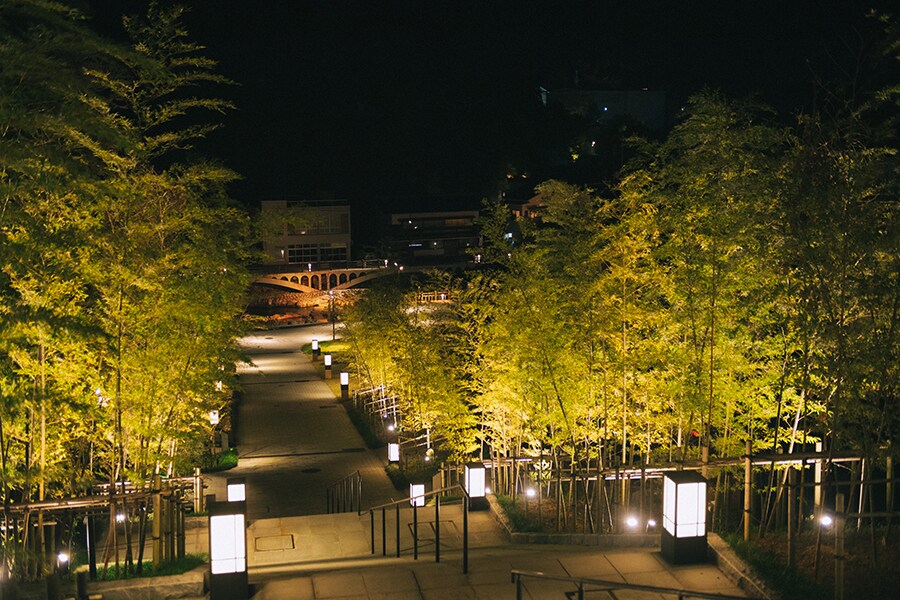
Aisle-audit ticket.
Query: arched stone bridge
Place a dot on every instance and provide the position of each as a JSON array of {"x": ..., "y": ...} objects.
[{"x": 323, "y": 277}]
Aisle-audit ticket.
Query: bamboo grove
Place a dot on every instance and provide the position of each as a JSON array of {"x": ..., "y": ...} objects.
[
  {"x": 120, "y": 263},
  {"x": 739, "y": 282}
]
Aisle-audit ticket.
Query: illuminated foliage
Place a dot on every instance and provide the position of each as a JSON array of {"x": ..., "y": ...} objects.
[{"x": 120, "y": 261}]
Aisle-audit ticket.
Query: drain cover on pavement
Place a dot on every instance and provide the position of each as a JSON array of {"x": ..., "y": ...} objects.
[
  {"x": 268, "y": 543},
  {"x": 353, "y": 449},
  {"x": 311, "y": 470},
  {"x": 328, "y": 406}
]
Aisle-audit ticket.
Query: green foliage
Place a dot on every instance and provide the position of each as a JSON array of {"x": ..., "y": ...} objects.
[
  {"x": 774, "y": 570},
  {"x": 740, "y": 283},
  {"x": 215, "y": 463},
  {"x": 177, "y": 567},
  {"x": 121, "y": 269},
  {"x": 520, "y": 521},
  {"x": 414, "y": 471},
  {"x": 364, "y": 427}
]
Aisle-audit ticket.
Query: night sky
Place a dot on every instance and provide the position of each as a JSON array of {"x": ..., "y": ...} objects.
[{"x": 386, "y": 102}]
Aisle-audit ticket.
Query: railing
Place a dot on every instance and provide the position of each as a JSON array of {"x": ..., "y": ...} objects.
[
  {"x": 313, "y": 266},
  {"x": 603, "y": 585},
  {"x": 345, "y": 495},
  {"x": 406, "y": 502}
]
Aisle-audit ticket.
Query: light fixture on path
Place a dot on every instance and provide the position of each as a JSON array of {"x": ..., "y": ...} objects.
[{"x": 684, "y": 517}]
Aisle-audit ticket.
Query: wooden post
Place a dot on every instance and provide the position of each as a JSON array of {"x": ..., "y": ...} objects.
[
  {"x": 615, "y": 523},
  {"x": 747, "y": 489},
  {"x": 889, "y": 492},
  {"x": 156, "y": 529},
  {"x": 839, "y": 548},
  {"x": 170, "y": 526},
  {"x": 114, "y": 531},
  {"x": 862, "y": 492},
  {"x": 198, "y": 491},
  {"x": 179, "y": 516},
  {"x": 817, "y": 489},
  {"x": 791, "y": 525},
  {"x": 643, "y": 493}
]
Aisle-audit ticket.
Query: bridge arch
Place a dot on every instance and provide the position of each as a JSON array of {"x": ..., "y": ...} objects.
[
  {"x": 304, "y": 280},
  {"x": 314, "y": 282}
]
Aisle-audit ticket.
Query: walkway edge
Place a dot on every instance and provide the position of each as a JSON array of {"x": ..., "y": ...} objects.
[{"x": 738, "y": 571}]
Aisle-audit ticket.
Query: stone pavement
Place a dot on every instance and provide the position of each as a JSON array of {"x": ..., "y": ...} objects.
[
  {"x": 328, "y": 557},
  {"x": 489, "y": 576},
  {"x": 294, "y": 440}
]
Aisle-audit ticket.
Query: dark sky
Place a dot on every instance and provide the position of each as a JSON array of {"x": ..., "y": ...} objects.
[{"x": 378, "y": 101}]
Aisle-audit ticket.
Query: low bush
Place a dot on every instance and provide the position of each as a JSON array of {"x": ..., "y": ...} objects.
[
  {"x": 149, "y": 569},
  {"x": 520, "y": 521},
  {"x": 213, "y": 463}
]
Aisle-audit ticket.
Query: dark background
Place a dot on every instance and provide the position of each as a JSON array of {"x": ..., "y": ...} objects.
[{"x": 402, "y": 105}]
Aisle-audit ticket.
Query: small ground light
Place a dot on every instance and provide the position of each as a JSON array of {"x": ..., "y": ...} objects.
[
  {"x": 487, "y": 490},
  {"x": 826, "y": 520},
  {"x": 62, "y": 563},
  {"x": 631, "y": 522},
  {"x": 651, "y": 523},
  {"x": 530, "y": 492},
  {"x": 120, "y": 518}
]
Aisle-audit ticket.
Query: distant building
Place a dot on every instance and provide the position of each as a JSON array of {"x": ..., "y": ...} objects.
[
  {"x": 527, "y": 209},
  {"x": 647, "y": 107},
  {"x": 306, "y": 232},
  {"x": 433, "y": 237}
]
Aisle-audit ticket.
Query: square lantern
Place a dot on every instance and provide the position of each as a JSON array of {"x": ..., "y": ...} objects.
[
  {"x": 315, "y": 349},
  {"x": 393, "y": 451},
  {"x": 237, "y": 489},
  {"x": 475, "y": 485},
  {"x": 417, "y": 494},
  {"x": 327, "y": 366},
  {"x": 227, "y": 550},
  {"x": 345, "y": 386},
  {"x": 684, "y": 517}
]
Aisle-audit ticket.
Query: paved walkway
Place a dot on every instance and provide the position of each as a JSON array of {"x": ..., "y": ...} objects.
[
  {"x": 489, "y": 576},
  {"x": 294, "y": 440},
  {"x": 330, "y": 557}
]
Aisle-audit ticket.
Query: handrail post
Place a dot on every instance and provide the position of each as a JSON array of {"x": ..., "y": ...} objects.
[
  {"x": 415, "y": 532},
  {"x": 372, "y": 529},
  {"x": 383, "y": 534},
  {"x": 580, "y": 590},
  {"x": 465, "y": 533},
  {"x": 437, "y": 528},
  {"x": 398, "y": 530},
  {"x": 518, "y": 579}
]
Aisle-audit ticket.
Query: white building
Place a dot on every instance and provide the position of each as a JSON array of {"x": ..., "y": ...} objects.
[{"x": 311, "y": 232}]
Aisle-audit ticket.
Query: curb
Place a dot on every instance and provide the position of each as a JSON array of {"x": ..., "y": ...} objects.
[
  {"x": 599, "y": 540},
  {"x": 734, "y": 567}
]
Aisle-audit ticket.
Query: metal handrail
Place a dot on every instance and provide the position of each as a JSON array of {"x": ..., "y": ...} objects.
[
  {"x": 397, "y": 504},
  {"x": 345, "y": 495},
  {"x": 605, "y": 586},
  {"x": 424, "y": 495}
]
